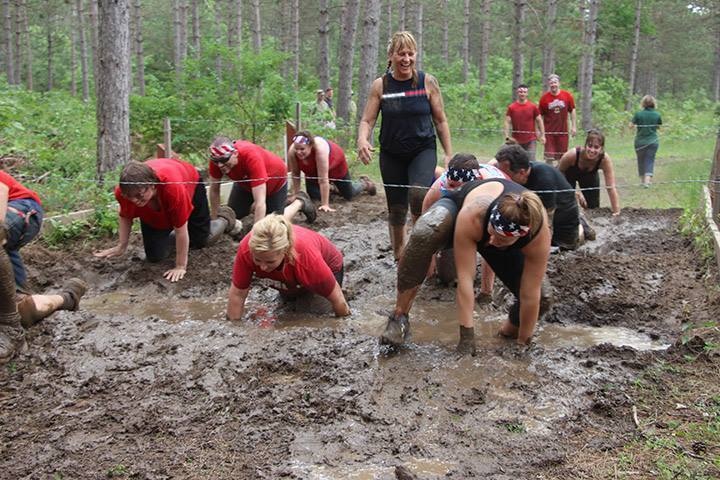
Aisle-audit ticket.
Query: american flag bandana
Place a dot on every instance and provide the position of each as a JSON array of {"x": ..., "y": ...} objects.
[
  {"x": 461, "y": 174},
  {"x": 505, "y": 227},
  {"x": 222, "y": 152},
  {"x": 301, "y": 140}
]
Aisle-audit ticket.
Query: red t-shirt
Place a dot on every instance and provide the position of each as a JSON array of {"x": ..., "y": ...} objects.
[
  {"x": 555, "y": 110},
  {"x": 337, "y": 163},
  {"x": 316, "y": 259},
  {"x": 523, "y": 117},
  {"x": 175, "y": 198},
  {"x": 15, "y": 189},
  {"x": 257, "y": 165}
]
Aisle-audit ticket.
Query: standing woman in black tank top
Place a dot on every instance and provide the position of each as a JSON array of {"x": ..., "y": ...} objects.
[
  {"x": 580, "y": 166},
  {"x": 413, "y": 114}
]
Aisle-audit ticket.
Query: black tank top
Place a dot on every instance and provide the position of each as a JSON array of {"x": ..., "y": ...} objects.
[
  {"x": 508, "y": 187},
  {"x": 407, "y": 125},
  {"x": 574, "y": 174}
]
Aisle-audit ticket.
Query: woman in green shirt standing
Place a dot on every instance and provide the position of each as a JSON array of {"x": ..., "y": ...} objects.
[{"x": 647, "y": 121}]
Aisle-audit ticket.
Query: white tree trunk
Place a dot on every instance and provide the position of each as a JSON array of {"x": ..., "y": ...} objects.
[
  {"x": 113, "y": 95},
  {"x": 419, "y": 35},
  {"x": 518, "y": 45},
  {"x": 256, "y": 26},
  {"x": 195, "y": 18},
  {"x": 589, "y": 48},
  {"x": 295, "y": 41},
  {"x": 369, "y": 50},
  {"x": 446, "y": 33},
  {"x": 634, "y": 56},
  {"x": 28, "y": 47},
  {"x": 345, "y": 61},
  {"x": 50, "y": 47},
  {"x": 548, "y": 66},
  {"x": 82, "y": 45},
  {"x": 466, "y": 42},
  {"x": 484, "y": 45},
  {"x": 324, "y": 45},
  {"x": 18, "y": 43},
  {"x": 8, "y": 42},
  {"x": 139, "y": 52}
]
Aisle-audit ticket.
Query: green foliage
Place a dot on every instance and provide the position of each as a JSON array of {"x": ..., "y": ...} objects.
[
  {"x": 608, "y": 104},
  {"x": 693, "y": 226}
]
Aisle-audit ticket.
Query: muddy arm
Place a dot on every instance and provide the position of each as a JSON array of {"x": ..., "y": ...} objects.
[
  {"x": 236, "y": 302},
  {"x": 338, "y": 302}
]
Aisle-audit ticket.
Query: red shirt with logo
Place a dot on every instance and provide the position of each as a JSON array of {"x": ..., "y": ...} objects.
[
  {"x": 555, "y": 110},
  {"x": 337, "y": 163},
  {"x": 523, "y": 117},
  {"x": 15, "y": 189},
  {"x": 316, "y": 260},
  {"x": 174, "y": 195},
  {"x": 255, "y": 165}
]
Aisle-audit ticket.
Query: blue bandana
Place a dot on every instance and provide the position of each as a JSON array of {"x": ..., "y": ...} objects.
[{"x": 505, "y": 227}]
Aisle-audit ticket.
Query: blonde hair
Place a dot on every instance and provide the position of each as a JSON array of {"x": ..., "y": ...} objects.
[
  {"x": 648, "y": 101},
  {"x": 403, "y": 39},
  {"x": 273, "y": 234},
  {"x": 525, "y": 208}
]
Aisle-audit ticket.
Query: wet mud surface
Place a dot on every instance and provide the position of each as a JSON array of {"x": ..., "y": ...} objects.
[{"x": 149, "y": 381}]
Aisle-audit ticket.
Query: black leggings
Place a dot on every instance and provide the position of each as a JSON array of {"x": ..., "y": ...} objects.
[
  {"x": 417, "y": 170},
  {"x": 589, "y": 180},
  {"x": 158, "y": 243},
  {"x": 347, "y": 188},
  {"x": 240, "y": 201}
]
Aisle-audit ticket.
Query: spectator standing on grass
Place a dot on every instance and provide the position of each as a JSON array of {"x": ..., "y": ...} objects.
[
  {"x": 294, "y": 260},
  {"x": 647, "y": 121},
  {"x": 329, "y": 97},
  {"x": 580, "y": 166},
  {"x": 323, "y": 162},
  {"x": 321, "y": 110},
  {"x": 22, "y": 213},
  {"x": 260, "y": 181},
  {"x": 412, "y": 113},
  {"x": 556, "y": 106},
  {"x": 169, "y": 198},
  {"x": 523, "y": 122}
]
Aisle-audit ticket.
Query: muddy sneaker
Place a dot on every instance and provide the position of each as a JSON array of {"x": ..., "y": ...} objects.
[
  {"x": 368, "y": 185},
  {"x": 72, "y": 292},
  {"x": 228, "y": 214},
  {"x": 587, "y": 229},
  {"x": 308, "y": 209},
  {"x": 397, "y": 330}
]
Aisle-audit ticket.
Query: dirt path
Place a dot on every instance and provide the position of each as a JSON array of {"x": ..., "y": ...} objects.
[{"x": 149, "y": 381}]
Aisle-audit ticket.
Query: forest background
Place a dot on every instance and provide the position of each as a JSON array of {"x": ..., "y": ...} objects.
[{"x": 241, "y": 67}]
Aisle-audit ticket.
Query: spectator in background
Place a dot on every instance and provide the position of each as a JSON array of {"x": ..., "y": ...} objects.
[
  {"x": 22, "y": 213},
  {"x": 555, "y": 106},
  {"x": 412, "y": 112},
  {"x": 329, "y": 97},
  {"x": 647, "y": 121},
  {"x": 523, "y": 121},
  {"x": 322, "y": 111}
]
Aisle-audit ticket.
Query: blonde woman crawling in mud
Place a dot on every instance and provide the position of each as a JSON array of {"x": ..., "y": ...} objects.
[
  {"x": 294, "y": 259},
  {"x": 509, "y": 227}
]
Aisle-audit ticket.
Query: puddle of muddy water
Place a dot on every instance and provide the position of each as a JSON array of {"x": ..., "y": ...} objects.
[{"x": 421, "y": 467}]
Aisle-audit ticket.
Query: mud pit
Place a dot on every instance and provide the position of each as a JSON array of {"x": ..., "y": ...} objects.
[{"x": 149, "y": 381}]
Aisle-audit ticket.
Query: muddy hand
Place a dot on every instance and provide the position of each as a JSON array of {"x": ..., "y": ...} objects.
[
  {"x": 325, "y": 208},
  {"x": 466, "y": 345},
  {"x": 364, "y": 152},
  {"x": 110, "y": 252},
  {"x": 397, "y": 330},
  {"x": 175, "y": 274}
]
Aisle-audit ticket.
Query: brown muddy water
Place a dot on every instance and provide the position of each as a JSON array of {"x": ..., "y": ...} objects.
[{"x": 149, "y": 381}]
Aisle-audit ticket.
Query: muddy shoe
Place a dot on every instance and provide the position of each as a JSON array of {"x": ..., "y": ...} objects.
[
  {"x": 308, "y": 209},
  {"x": 228, "y": 214},
  {"x": 368, "y": 185},
  {"x": 466, "y": 345},
  {"x": 72, "y": 292},
  {"x": 397, "y": 330},
  {"x": 587, "y": 229}
]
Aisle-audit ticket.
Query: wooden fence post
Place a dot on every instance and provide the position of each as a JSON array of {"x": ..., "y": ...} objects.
[{"x": 715, "y": 181}]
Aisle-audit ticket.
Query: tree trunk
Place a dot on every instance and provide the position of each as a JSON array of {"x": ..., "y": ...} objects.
[
  {"x": 180, "y": 31},
  {"x": 195, "y": 17},
  {"x": 446, "y": 34},
  {"x": 466, "y": 42},
  {"x": 419, "y": 35},
  {"x": 93, "y": 16},
  {"x": 716, "y": 76},
  {"x": 589, "y": 49},
  {"x": 388, "y": 14},
  {"x": 28, "y": 47},
  {"x": 113, "y": 95},
  {"x": 582, "y": 4},
  {"x": 634, "y": 57},
  {"x": 234, "y": 24},
  {"x": 83, "y": 51},
  {"x": 295, "y": 41},
  {"x": 402, "y": 14},
  {"x": 518, "y": 45},
  {"x": 484, "y": 45},
  {"x": 218, "y": 38},
  {"x": 73, "y": 53},
  {"x": 8, "y": 42},
  {"x": 324, "y": 45},
  {"x": 548, "y": 66},
  {"x": 345, "y": 62},
  {"x": 50, "y": 52},
  {"x": 255, "y": 26},
  {"x": 369, "y": 50},
  {"x": 139, "y": 53},
  {"x": 18, "y": 43}
]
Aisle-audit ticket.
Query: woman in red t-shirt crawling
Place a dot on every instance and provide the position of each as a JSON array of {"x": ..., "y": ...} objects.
[{"x": 295, "y": 260}]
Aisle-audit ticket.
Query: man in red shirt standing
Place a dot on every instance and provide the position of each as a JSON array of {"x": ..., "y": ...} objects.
[
  {"x": 523, "y": 120},
  {"x": 555, "y": 105},
  {"x": 168, "y": 196}
]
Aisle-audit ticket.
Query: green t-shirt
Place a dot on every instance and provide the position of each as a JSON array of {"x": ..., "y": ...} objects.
[{"x": 647, "y": 122}]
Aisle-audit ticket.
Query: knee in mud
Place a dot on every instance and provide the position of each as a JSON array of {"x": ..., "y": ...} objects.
[
  {"x": 416, "y": 195},
  {"x": 397, "y": 215}
]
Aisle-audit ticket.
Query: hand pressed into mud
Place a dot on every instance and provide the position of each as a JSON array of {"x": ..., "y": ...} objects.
[
  {"x": 325, "y": 208},
  {"x": 115, "y": 251},
  {"x": 175, "y": 274}
]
